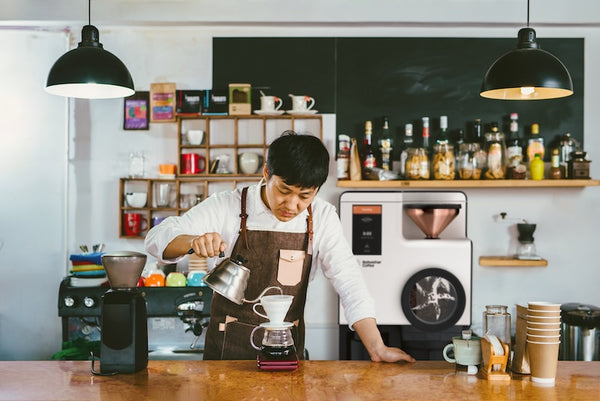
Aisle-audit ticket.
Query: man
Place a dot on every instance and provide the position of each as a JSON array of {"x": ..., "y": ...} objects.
[{"x": 285, "y": 233}]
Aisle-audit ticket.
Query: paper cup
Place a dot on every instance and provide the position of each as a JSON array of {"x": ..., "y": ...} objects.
[
  {"x": 539, "y": 319},
  {"x": 543, "y": 359},
  {"x": 543, "y": 339},
  {"x": 543, "y": 326},
  {"x": 549, "y": 306},
  {"x": 543, "y": 313},
  {"x": 543, "y": 332}
]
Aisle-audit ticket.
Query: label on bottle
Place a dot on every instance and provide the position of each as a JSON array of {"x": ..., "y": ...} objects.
[
  {"x": 515, "y": 155},
  {"x": 343, "y": 168},
  {"x": 370, "y": 161},
  {"x": 535, "y": 146}
]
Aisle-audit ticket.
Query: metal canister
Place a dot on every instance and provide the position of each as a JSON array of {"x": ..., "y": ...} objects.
[{"x": 580, "y": 332}]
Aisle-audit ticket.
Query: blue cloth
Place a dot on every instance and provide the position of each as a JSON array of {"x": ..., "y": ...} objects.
[{"x": 94, "y": 257}]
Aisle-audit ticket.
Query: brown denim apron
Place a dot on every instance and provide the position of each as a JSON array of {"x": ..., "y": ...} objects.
[{"x": 275, "y": 258}]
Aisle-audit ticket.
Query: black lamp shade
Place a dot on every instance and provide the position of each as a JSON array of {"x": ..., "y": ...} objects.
[
  {"x": 527, "y": 73},
  {"x": 89, "y": 71}
]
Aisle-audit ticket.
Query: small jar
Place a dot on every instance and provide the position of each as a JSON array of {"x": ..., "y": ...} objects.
[
  {"x": 443, "y": 163},
  {"x": 417, "y": 164},
  {"x": 496, "y": 321},
  {"x": 470, "y": 162},
  {"x": 579, "y": 167},
  {"x": 496, "y": 156}
]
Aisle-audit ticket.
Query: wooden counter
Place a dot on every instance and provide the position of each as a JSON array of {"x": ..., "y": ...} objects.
[{"x": 314, "y": 380}]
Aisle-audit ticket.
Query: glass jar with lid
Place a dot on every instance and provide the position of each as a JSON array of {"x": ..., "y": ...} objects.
[
  {"x": 443, "y": 163},
  {"x": 469, "y": 164},
  {"x": 417, "y": 164},
  {"x": 496, "y": 321},
  {"x": 495, "y": 147}
]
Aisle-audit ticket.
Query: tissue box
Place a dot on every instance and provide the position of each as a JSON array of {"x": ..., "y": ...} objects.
[{"x": 240, "y": 102}]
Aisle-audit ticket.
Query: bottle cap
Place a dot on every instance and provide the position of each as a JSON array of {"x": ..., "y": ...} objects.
[
  {"x": 535, "y": 128},
  {"x": 343, "y": 137},
  {"x": 368, "y": 125},
  {"x": 514, "y": 116},
  {"x": 443, "y": 122},
  {"x": 408, "y": 128},
  {"x": 425, "y": 121}
]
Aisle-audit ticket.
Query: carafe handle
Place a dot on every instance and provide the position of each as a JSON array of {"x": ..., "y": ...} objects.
[{"x": 252, "y": 338}]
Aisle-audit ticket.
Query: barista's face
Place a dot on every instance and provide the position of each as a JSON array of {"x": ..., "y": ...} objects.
[{"x": 285, "y": 201}]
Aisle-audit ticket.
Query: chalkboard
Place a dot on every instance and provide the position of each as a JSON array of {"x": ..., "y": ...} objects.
[{"x": 405, "y": 79}]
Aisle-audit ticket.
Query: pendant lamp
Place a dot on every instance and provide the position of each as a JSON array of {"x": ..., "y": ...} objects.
[
  {"x": 89, "y": 71},
  {"x": 527, "y": 73}
]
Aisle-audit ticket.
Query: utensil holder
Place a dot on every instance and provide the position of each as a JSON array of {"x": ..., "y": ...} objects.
[{"x": 490, "y": 359}]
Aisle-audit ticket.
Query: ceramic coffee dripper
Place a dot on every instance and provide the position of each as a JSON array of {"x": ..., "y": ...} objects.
[{"x": 275, "y": 306}]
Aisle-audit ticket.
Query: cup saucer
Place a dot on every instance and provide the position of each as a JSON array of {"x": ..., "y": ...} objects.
[
  {"x": 269, "y": 112},
  {"x": 302, "y": 112}
]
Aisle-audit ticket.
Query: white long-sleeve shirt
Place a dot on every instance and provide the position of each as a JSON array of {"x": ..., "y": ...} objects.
[{"x": 220, "y": 213}]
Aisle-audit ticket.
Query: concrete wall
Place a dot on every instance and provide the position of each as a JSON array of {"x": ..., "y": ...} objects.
[{"x": 178, "y": 49}]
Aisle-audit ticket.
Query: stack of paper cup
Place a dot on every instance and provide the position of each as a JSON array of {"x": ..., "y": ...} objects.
[
  {"x": 197, "y": 263},
  {"x": 543, "y": 340}
]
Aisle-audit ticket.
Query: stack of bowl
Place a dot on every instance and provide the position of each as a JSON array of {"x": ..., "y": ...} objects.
[
  {"x": 543, "y": 340},
  {"x": 197, "y": 268}
]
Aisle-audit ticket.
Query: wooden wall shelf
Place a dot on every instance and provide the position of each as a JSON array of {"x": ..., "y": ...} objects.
[
  {"x": 507, "y": 261},
  {"x": 442, "y": 184}
]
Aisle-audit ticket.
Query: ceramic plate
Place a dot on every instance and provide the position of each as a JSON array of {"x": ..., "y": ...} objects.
[
  {"x": 268, "y": 113},
  {"x": 302, "y": 112}
]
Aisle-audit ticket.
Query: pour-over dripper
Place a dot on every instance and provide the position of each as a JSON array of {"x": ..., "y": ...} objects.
[
  {"x": 123, "y": 268},
  {"x": 432, "y": 219}
]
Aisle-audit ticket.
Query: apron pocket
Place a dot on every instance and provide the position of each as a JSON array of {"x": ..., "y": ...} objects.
[
  {"x": 236, "y": 341},
  {"x": 289, "y": 271}
]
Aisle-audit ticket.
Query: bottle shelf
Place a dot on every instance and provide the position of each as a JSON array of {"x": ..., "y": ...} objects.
[
  {"x": 508, "y": 261},
  {"x": 546, "y": 183}
]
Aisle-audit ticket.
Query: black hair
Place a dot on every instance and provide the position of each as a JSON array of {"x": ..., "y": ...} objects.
[{"x": 300, "y": 160}]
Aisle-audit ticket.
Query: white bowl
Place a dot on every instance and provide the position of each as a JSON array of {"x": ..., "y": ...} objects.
[{"x": 136, "y": 199}]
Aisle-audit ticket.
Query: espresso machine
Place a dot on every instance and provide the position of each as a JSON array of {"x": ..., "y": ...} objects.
[
  {"x": 124, "y": 327},
  {"x": 416, "y": 260}
]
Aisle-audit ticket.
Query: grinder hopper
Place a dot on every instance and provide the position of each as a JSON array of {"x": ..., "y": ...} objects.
[
  {"x": 432, "y": 219},
  {"x": 123, "y": 268}
]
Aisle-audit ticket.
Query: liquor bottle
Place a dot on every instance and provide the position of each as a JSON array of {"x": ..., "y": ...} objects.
[
  {"x": 407, "y": 142},
  {"x": 343, "y": 158},
  {"x": 443, "y": 136},
  {"x": 368, "y": 158},
  {"x": 460, "y": 139},
  {"x": 478, "y": 132},
  {"x": 535, "y": 143},
  {"x": 555, "y": 172},
  {"x": 386, "y": 144},
  {"x": 514, "y": 150},
  {"x": 425, "y": 133}
]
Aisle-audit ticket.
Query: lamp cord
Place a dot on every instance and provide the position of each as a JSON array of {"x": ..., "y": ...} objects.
[
  {"x": 90, "y": 12},
  {"x": 527, "y": 13}
]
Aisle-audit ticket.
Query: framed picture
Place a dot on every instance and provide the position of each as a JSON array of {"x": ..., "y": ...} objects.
[
  {"x": 162, "y": 102},
  {"x": 137, "y": 111}
]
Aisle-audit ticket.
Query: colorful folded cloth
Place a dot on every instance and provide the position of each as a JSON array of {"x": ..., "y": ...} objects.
[
  {"x": 86, "y": 267},
  {"x": 92, "y": 273},
  {"x": 93, "y": 257}
]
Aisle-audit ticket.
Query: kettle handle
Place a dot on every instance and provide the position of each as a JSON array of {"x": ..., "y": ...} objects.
[
  {"x": 252, "y": 338},
  {"x": 263, "y": 293}
]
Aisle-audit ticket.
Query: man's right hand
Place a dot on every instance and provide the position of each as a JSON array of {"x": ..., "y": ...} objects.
[{"x": 207, "y": 245}]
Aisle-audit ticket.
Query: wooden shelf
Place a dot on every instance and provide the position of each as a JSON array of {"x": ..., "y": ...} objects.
[
  {"x": 468, "y": 184},
  {"x": 506, "y": 261}
]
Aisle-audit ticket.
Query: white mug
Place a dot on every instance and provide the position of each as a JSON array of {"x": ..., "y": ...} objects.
[
  {"x": 275, "y": 306},
  {"x": 270, "y": 103},
  {"x": 194, "y": 136},
  {"x": 302, "y": 102}
]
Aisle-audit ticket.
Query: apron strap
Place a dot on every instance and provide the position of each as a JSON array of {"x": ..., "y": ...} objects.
[
  {"x": 309, "y": 224},
  {"x": 244, "y": 217}
]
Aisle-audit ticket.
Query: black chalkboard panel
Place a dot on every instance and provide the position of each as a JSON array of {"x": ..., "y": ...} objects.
[
  {"x": 278, "y": 66},
  {"x": 362, "y": 79}
]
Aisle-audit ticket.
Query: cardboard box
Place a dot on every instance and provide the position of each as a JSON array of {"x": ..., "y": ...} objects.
[
  {"x": 240, "y": 100},
  {"x": 189, "y": 101},
  {"x": 214, "y": 102}
]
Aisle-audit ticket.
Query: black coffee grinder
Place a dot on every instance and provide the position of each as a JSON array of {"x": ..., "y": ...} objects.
[{"x": 124, "y": 335}]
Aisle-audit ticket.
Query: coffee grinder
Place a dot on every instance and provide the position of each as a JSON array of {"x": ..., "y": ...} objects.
[{"x": 124, "y": 335}]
